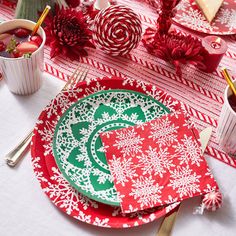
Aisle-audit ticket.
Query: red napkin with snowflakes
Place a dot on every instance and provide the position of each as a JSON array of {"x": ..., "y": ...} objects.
[{"x": 157, "y": 163}]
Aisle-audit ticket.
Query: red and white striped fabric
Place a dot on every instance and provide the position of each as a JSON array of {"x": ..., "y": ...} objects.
[{"x": 201, "y": 92}]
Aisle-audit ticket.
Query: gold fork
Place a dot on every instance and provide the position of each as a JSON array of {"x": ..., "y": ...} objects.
[{"x": 14, "y": 156}]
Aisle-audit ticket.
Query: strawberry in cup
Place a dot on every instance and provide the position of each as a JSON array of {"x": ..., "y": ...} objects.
[
  {"x": 18, "y": 43},
  {"x": 22, "y": 55}
]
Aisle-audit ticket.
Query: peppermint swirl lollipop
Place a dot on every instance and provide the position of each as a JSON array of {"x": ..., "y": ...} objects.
[
  {"x": 212, "y": 201},
  {"x": 117, "y": 30}
]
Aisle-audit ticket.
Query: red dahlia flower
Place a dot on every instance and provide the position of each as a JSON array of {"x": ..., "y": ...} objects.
[
  {"x": 73, "y": 3},
  {"x": 67, "y": 33},
  {"x": 175, "y": 48}
]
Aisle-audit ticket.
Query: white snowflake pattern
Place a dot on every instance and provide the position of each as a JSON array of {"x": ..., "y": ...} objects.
[
  {"x": 153, "y": 161},
  {"x": 155, "y": 93},
  {"x": 46, "y": 134},
  {"x": 209, "y": 173},
  {"x": 61, "y": 102},
  {"x": 102, "y": 222},
  {"x": 37, "y": 170},
  {"x": 103, "y": 149},
  {"x": 98, "y": 87},
  {"x": 171, "y": 206},
  {"x": 107, "y": 134},
  {"x": 176, "y": 114},
  {"x": 128, "y": 141},
  {"x": 101, "y": 176},
  {"x": 183, "y": 5},
  {"x": 141, "y": 125},
  {"x": 163, "y": 97},
  {"x": 184, "y": 181},
  {"x": 227, "y": 17},
  {"x": 195, "y": 20},
  {"x": 131, "y": 209},
  {"x": 64, "y": 195},
  {"x": 146, "y": 192},
  {"x": 116, "y": 211},
  {"x": 209, "y": 189},
  {"x": 188, "y": 150},
  {"x": 171, "y": 202},
  {"x": 170, "y": 199},
  {"x": 189, "y": 122},
  {"x": 122, "y": 170},
  {"x": 83, "y": 217},
  {"x": 138, "y": 83},
  {"x": 163, "y": 132}
]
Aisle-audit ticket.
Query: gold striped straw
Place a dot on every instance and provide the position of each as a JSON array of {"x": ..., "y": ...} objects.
[
  {"x": 41, "y": 19},
  {"x": 229, "y": 80}
]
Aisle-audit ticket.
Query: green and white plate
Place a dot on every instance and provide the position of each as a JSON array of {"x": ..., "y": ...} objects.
[{"x": 77, "y": 146}]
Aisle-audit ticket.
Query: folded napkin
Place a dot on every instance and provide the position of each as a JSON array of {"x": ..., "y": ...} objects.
[{"x": 157, "y": 163}]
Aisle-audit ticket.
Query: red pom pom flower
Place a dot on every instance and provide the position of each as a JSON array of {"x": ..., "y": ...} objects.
[
  {"x": 175, "y": 48},
  {"x": 67, "y": 33}
]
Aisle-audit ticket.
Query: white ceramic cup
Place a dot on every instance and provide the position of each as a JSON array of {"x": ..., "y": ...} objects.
[
  {"x": 226, "y": 131},
  {"x": 23, "y": 75}
]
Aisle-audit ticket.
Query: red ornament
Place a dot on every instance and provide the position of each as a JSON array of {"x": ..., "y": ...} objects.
[
  {"x": 67, "y": 33},
  {"x": 212, "y": 201},
  {"x": 117, "y": 30}
]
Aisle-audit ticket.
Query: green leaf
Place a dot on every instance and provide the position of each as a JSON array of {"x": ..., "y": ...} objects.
[
  {"x": 27, "y": 55},
  {"x": 11, "y": 45}
]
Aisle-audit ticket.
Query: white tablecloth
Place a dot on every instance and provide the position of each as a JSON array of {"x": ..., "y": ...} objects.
[{"x": 26, "y": 211}]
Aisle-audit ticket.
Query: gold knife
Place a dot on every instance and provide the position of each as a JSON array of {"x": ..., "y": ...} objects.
[{"x": 169, "y": 220}]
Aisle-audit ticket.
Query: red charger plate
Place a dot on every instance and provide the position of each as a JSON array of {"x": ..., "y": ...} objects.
[{"x": 59, "y": 191}]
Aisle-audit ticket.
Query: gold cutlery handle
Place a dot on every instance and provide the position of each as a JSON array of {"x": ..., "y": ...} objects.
[
  {"x": 167, "y": 224},
  {"x": 14, "y": 156}
]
